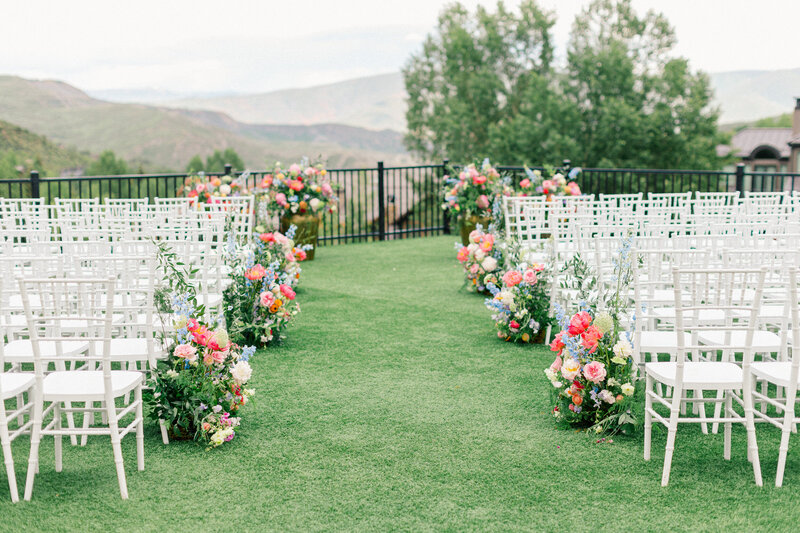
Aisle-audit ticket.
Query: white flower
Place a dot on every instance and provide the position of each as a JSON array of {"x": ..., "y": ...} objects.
[
  {"x": 550, "y": 374},
  {"x": 606, "y": 396},
  {"x": 489, "y": 264},
  {"x": 225, "y": 190},
  {"x": 472, "y": 247},
  {"x": 627, "y": 389},
  {"x": 314, "y": 203},
  {"x": 172, "y": 374},
  {"x": 612, "y": 382},
  {"x": 219, "y": 436},
  {"x": 623, "y": 348},
  {"x": 241, "y": 372},
  {"x": 479, "y": 255}
]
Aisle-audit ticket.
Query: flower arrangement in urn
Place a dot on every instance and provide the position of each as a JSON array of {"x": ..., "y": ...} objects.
[
  {"x": 521, "y": 305},
  {"x": 299, "y": 196},
  {"x": 481, "y": 260},
  {"x": 203, "y": 189},
  {"x": 535, "y": 184}
]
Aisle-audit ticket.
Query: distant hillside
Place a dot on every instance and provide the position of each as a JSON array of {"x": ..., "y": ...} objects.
[
  {"x": 374, "y": 102},
  {"x": 160, "y": 138},
  {"x": 36, "y": 151},
  {"x": 747, "y": 95}
]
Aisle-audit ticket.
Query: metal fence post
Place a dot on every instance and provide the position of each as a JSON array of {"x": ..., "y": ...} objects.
[
  {"x": 740, "y": 177},
  {"x": 34, "y": 184},
  {"x": 445, "y": 213},
  {"x": 228, "y": 169},
  {"x": 381, "y": 204}
]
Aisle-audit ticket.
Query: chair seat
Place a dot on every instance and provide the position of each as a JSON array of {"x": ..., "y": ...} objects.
[
  {"x": 763, "y": 341},
  {"x": 213, "y": 300},
  {"x": 13, "y": 383},
  {"x": 662, "y": 341},
  {"x": 21, "y": 350},
  {"x": 697, "y": 375},
  {"x": 130, "y": 349},
  {"x": 707, "y": 316},
  {"x": 88, "y": 385},
  {"x": 776, "y": 372}
]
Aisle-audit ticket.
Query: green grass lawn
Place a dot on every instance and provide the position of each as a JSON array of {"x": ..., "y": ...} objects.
[{"x": 393, "y": 406}]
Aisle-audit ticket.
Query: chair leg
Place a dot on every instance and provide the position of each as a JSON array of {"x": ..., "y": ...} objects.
[
  {"x": 726, "y": 454},
  {"x": 36, "y": 432},
  {"x": 547, "y": 335},
  {"x": 717, "y": 411},
  {"x": 116, "y": 445},
  {"x": 20, "y": 403},
  {"x": 57, "y": 426},
  {"x": 648, "y": 418},
  {"x": 8, "y": 458},
  {"x": 139, "y": 428},
  {"x": 750, "y": 425},
  {"x": 672, "y": 430},
  {"x": 164, "y": 433}
]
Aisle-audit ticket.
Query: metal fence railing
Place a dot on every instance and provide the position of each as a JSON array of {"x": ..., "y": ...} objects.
[{"x": 381, "y": 203}]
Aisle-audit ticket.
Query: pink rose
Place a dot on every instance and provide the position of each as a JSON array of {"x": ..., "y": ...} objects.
[
  {"x": 548, "y": 185},
  {"x": 290, "y": 257},
  {"x": 219, "y": 356},
  {"x": 266, "y": 298},
  {"x": 525, "y": 183},
  {"x": 300, "y": 255},
  {"x": 482, "y": 201},
  {"x": 327, "y": 190},
  {"x": 474, "y": 269},
  {"x": 574, "y": 190},
  {"x": 287, "y": 292},
  {"x": 294, "y": 169},
  {"x": 578, "y": 323},
  {"x": 529, "y": 277},
  {"x": 511, "y": 278},
  {"x": 555, "y": 366},
  {"x": 281, "y": 199},
  {"x": 594, "y": 372},
  {"x": 186, "y": 351},
  {"x": 475, "y": 235},
  {"x": 463, "y": 254}
]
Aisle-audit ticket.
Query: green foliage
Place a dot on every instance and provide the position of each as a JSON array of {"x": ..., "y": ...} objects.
[
  {"x": 108, "y": 165},
  {"x": 781, "y": 121},
  {"x": 484, "y": 84},
  {"x": 215, "y": 163},
  {"x": 22, "y": 151},
  {"x": 195, "y": 165}
]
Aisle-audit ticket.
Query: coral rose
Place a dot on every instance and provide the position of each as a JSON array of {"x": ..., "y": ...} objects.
[
  {"x": 578, "y": 323},
  {"x": 511, "y": 278},
  {"x": 255, "y": 273},
  {"x": 525, "y": 183},
  {"x": 558, "y": 344},
  {"x": 590, "y": 337}
]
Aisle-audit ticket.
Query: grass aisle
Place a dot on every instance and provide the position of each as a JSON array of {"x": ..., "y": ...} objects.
[{"x": 393, "y": 406}]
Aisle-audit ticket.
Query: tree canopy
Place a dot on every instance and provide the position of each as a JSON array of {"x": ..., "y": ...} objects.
[
  {"x": 216, "y": 162},
  {"x": 486, "y": 84}
]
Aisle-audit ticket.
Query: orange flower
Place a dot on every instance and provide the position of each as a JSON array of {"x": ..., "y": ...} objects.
[
  {"x": 303, "y": 205},
  {"x": 275, "y": 306},
  {"x": 577, "y": 400}
]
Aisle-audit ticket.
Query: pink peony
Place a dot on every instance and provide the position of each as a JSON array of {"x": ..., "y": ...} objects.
[
  {"x": 555, "y": 366},
  {"x": 201, "y": 335},
  {"x": 511, "y": 278},
  {"x": 478, "y": 180},
  {"x": 255, "y": 273},
  {"x": 290, "y": 257},
  {"x": 594, "y": 372},
  {"x": 463, "y": 254},
  {"x": 281, "y": 199},
  {"x": 573, "y": 188},
  {"x": 219, "y": 356},
  {"x": 287, "y": 292},
  {"x": 482, "y": 201},
  {"x": 579, "y": 323},
  {"x": 186, "y": 351},
  {"x": 525, "y": 183},
  {"x": 294, "y": 169},
  {"x": 296, "y": 185},
  {"x": 590, "y": 337},
  {"x": 529, "y": 277},
  {"x": 548, "y": 185},
  {"x": 474, "y": 269},
  {"x": 192, "y": 324},
  {"x": 300, "y": 255},
  {"x": 267, "y": 237},
  {"x": 327, "y": 190},
  {"x": 267, "y": 298},
  {"x": 487, "y": 242}
]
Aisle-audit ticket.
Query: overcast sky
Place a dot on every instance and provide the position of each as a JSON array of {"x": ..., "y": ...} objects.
[{"x": 194, "y": 46}]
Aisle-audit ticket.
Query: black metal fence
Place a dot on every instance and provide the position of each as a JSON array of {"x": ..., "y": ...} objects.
[{"x": 383, "y": 203}]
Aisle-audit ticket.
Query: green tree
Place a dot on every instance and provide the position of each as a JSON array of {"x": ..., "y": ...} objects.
[
  {"x": 637, "y": 104},
  {"x": 195, "y": 165},
  {"x": 216, "y": 162},
  {"x": 473, "y": 73},
  {"x": 107, "y": 165}
]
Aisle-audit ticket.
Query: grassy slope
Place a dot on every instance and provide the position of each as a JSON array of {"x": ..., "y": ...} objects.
[
  {"x": 29, "y": 146},
  {"x": 393, "y": 406}
]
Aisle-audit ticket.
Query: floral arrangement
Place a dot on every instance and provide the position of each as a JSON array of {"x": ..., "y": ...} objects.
[
  {"x": 557, "y": 185},
  {"x": 302, "y": 189},
  {"x": 473, "y": 193},
  {"x": 522, "y": 305},
  {"x": 481, "y": 260},
  {"x": 199, "y": 388},
  {"x": 260, "y": 301},
  {"x": 593, "y": 375},
  {"x": 203, "y": 189}
]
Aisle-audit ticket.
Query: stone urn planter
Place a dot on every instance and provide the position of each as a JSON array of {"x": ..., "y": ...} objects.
[
  {"x": 307, "y": 230},
  {"x": 468, "y": 225}
]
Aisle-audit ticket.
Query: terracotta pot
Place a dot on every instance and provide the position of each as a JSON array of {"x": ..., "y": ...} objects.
[
  {"x": 468, "y": 225},
  {"x": 307, "y": 230}
]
